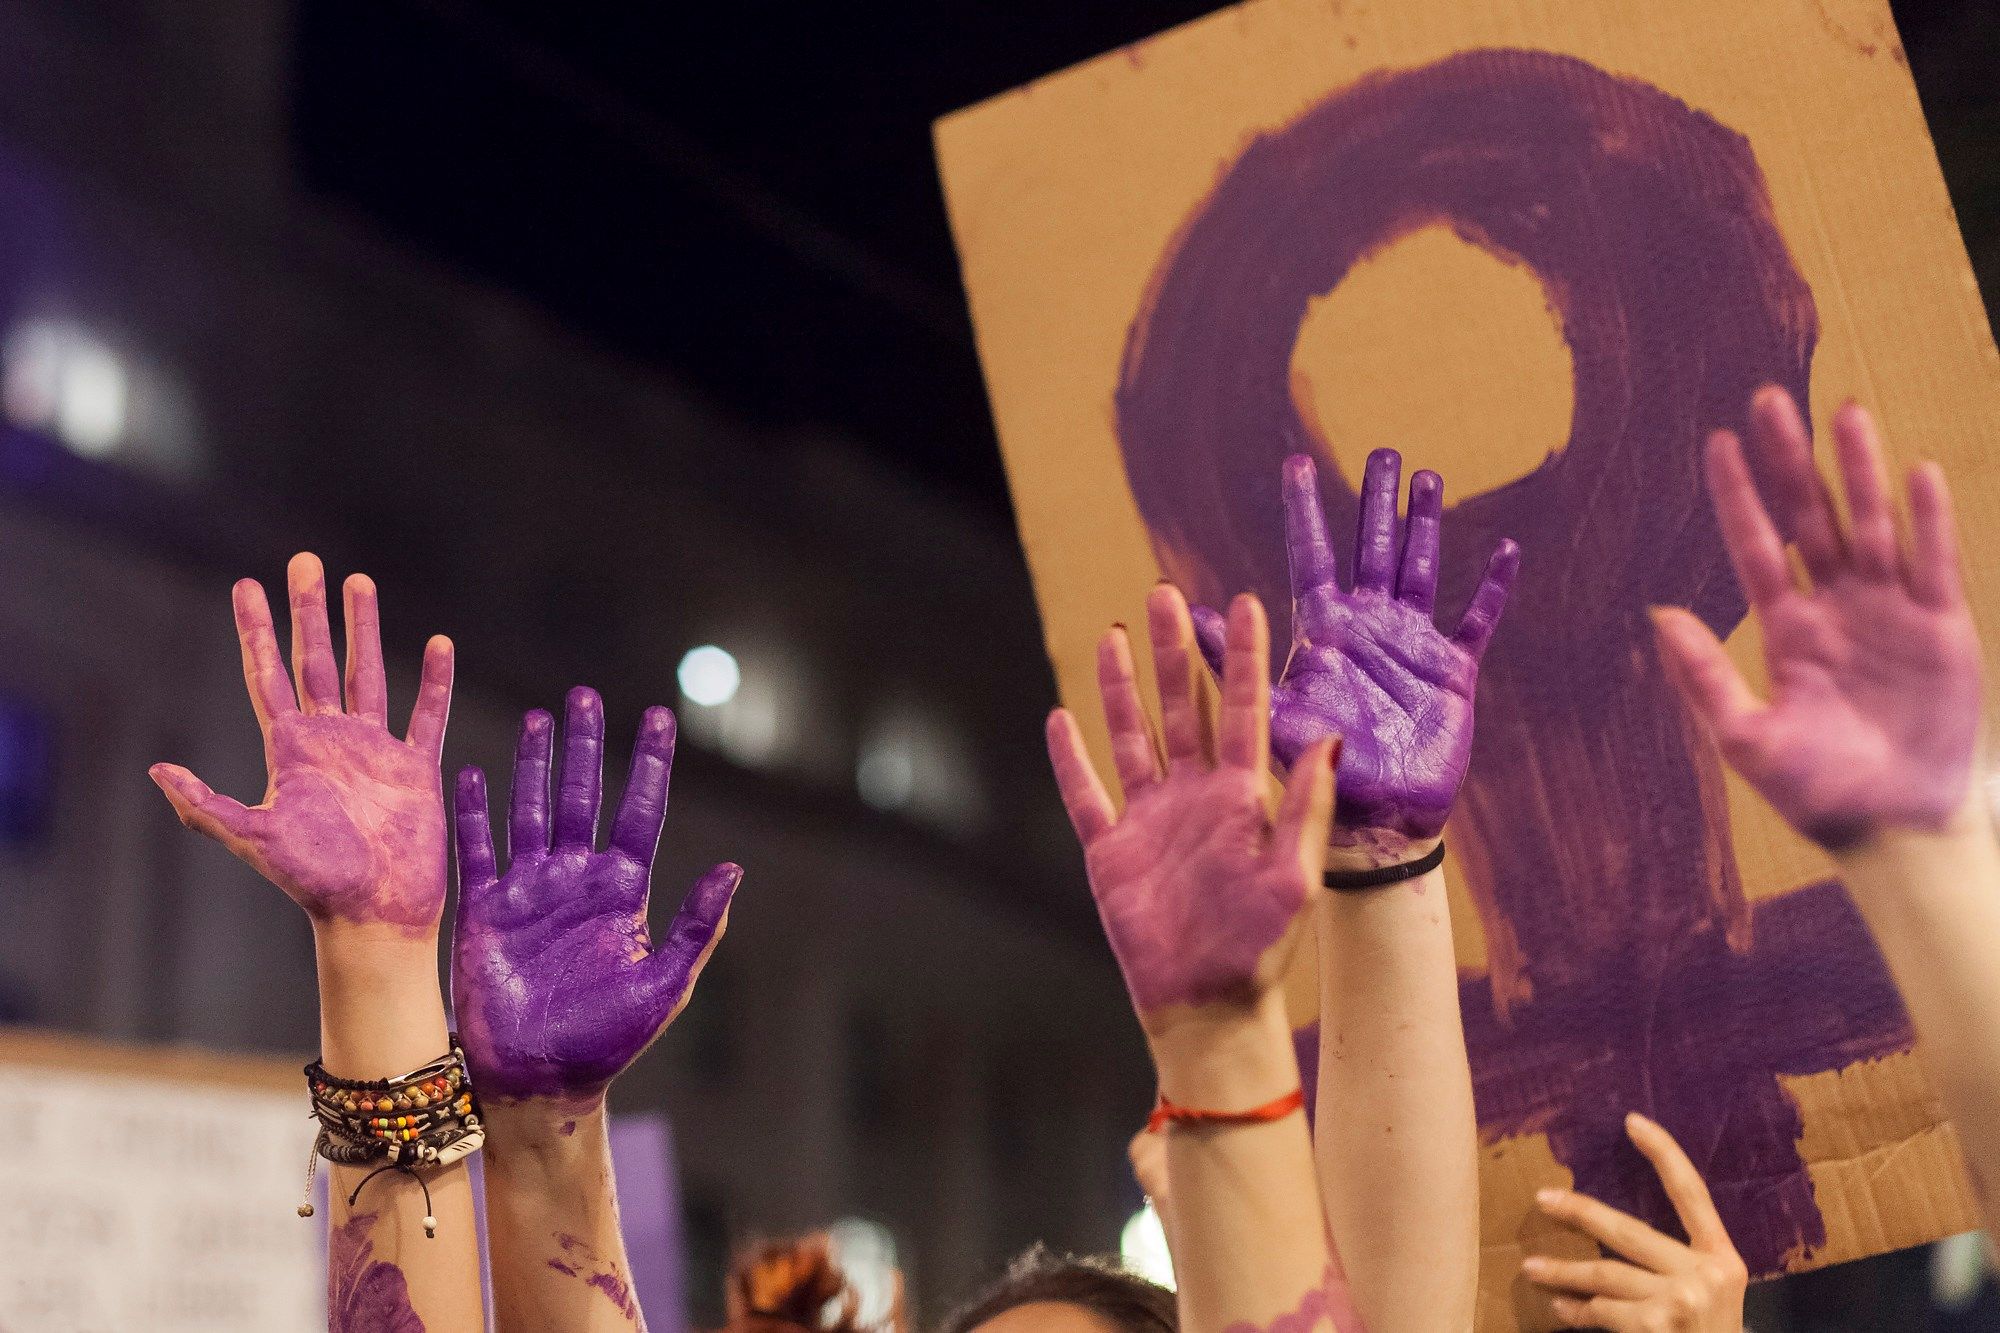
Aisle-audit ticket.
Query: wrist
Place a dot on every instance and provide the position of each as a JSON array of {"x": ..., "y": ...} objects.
[
  {"x": 1356, "y": 849},
  {"x": 544, "y": 1146},
  {"x": 545, "y": 1123},
  {"x": 380, "y": 1002},
  {"x": 374, "y": 951},
  {"x": 1226, "y": 1059},
  {"x": 1968, "y": 831}
]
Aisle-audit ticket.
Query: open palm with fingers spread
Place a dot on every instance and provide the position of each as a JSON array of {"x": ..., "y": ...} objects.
[
  {"x": 1658, "y": 1283},
  {"x": 1874, "y": 715},
  {"x": 557, "y": 983},
  {"x": 352, "y": 822},
  {"x": 1370, "y": 665},
  {"x": 1197, "y": 887}
]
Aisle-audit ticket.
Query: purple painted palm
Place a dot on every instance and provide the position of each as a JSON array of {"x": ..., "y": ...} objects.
[
  {"x": 1369, "y": 665},
  {"x": 556, "y": 981},
  {"x": 351, "y": 826}
]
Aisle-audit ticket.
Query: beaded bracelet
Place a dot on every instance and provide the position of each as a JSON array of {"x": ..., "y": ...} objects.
[{"x": 424, "y": 1119}]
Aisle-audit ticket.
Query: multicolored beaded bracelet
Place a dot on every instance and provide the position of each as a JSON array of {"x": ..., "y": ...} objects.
[{"x": 424, "y": 1119}]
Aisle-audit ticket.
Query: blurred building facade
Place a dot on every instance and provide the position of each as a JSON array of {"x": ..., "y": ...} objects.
[{"x": 207, "y": 367}]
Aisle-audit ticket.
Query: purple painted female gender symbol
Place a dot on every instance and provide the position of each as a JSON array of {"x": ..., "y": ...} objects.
[{"x": 1627, "y": 971}]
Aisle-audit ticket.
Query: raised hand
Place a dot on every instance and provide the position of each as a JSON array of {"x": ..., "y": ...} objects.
[
  {"x": 1874, "y": 714},
  {"x": 1660, "y": 1283},
  {"x": 1197, "y": 887},
  {"x": 557, "y": 983},
  {"x": 352, "y": 821},
  {"x": 1370, "y": 665}
]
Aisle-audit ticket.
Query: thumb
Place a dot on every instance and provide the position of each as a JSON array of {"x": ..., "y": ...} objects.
[
  {"x": 1305, "y": 814},
  {"x": 222, "y": 818},
  {"x": 667, "y": 975},
  {"x": 1701, "y": 670}
]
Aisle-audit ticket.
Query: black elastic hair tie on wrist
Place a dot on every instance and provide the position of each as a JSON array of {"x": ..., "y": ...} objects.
[{"x": 1351, "y": 881}]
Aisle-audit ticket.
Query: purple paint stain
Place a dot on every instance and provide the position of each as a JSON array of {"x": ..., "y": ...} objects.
[
  {"x": 618, "y": 1292},
  {"x": 556, "y": 981},
  {"x": 605, "y": 1277},
  {"x": 1326, "y": 1303},
  {"x": 1620, "y": 943},
  {"x": 365, "y": 1294}
]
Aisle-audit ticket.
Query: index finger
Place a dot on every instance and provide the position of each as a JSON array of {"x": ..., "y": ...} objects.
[
  {"x": 1621, "y": 1233},
  {"x": 1684, "y": 1185},
  {"x": 1779, "y": 433},
  {"x": 1083, "y": 794},
  {"x": 1747, "y": 531}
]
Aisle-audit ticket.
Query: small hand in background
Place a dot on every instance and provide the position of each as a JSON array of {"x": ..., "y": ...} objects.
[
  {"x": 557, "y": 983},
  {"x": 1148, "y": 1154},
  {"x": 1691, "y": 1287},
  {"x": 1371, "y": 666},
  {"x": 1874, "y": 715},
  {"x": 1197, "y": 887},
  {"x": 352, "y": 821}
]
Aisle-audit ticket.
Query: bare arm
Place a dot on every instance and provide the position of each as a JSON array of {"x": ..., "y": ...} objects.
[
  {"x": 1396, "y": 1139},
  {"x": 1201, "y": 894},
  {"x": 560, "y": 987},
  {"x": 1396, "y": 1136},
  {"x": 1867, "y": 743},
  {"x": 352, "y": 829},
  {"x": 1932, "y": 900}
]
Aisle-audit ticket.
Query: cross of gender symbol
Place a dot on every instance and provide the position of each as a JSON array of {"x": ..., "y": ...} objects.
[{"x": 1626, "y": 970}]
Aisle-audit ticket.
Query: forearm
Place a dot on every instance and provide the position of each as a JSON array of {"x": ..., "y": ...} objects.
[
  {"x": 1395, "y": 1135},
  {"x": 1249, "y": 1238},
  {"x": 552, "y": 1219},
  {"x": 1932, "y": 901},
  {"x": 382, "y": 1015}
]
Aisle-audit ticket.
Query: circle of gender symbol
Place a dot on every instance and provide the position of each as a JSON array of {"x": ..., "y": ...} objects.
[{"x": 1626, "y": 969}]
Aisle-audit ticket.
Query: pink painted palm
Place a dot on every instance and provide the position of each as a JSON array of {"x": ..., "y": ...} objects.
[
  {"x": 1197, "y": 886},
  {"x": 352, "y": 822},
  {"x": 1874, "y": 714}
]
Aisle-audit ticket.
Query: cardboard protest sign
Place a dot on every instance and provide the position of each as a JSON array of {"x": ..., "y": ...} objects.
[{"x": 1544, "y": 248}]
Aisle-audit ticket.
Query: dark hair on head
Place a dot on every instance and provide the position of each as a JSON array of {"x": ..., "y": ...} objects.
[
  {"x": 1104, "y": 1287},
  {"x": 795, "y": 1286}
]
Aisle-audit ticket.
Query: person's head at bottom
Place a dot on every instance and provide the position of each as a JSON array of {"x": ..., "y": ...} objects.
[{"x": 1043, "y": 1292}]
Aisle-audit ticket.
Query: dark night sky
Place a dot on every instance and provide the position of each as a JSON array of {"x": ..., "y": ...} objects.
[{"x": 745, "y": 195}]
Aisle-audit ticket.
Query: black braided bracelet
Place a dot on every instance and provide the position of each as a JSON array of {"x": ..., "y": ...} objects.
[{"x": 1353, "y": 881}]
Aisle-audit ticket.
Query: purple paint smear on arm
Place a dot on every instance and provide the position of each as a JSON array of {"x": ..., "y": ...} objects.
[
  {"x": 1326, "y": 1304},
  {"x": 605, "y": 1277},
  {"x": 557, "y": 983},
  {"x": 1613, "y": 913},
  {"x": 365, "y": 1294}
]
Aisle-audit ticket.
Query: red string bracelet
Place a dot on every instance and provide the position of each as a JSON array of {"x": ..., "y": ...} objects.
[{"x": 1166, "y": 1113}]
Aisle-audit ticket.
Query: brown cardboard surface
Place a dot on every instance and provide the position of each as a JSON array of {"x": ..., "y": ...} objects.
[{"x": 1072, "y": 199}]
